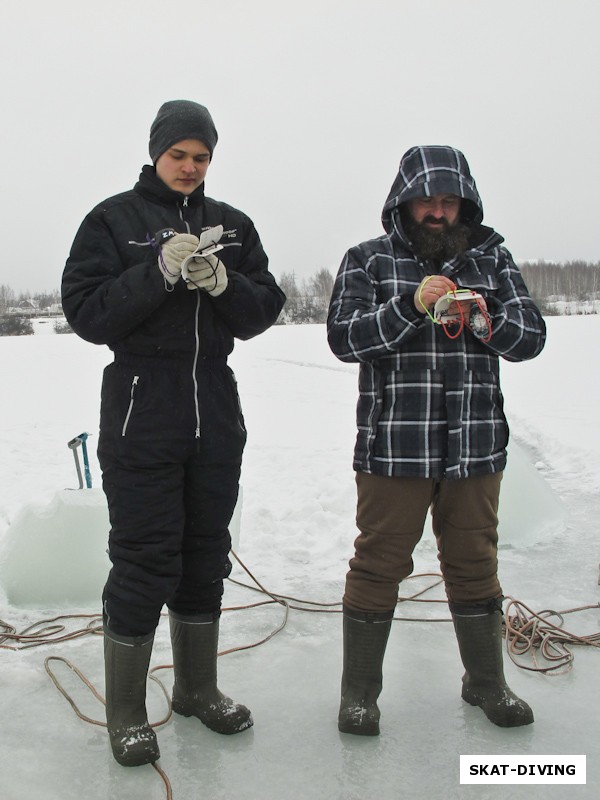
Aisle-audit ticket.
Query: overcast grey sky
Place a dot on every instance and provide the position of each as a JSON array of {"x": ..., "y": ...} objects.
[{"x": 315, "y": 102}]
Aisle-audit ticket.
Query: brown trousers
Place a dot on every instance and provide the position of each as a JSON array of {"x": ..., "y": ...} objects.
[{"x": 390, "y": 515}]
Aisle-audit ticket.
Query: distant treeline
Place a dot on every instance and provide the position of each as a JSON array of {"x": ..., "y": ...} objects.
[
  {"x": 557, "y": 288},
  {"x": 307, "y": 299},
  {"x": 41, "y": 300},
  {"x": 572, "y": 287}
]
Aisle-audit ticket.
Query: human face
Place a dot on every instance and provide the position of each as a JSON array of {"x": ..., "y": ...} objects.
[
  {"x": 435, "y": 213},
  {"x": 183, "y": 166}
]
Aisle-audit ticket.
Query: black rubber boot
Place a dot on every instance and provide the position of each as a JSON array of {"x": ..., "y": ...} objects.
[
  {"x": 195, "y": 692},
  {"x": 365, "y": 640},
  {"x": 479, "y": 635},
  {"x": 126, "y": 661}
]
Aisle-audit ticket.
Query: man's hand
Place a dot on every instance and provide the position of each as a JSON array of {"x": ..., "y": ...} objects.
[
  {"x": 173, "y": 253},
  {"x": 430, "y": 290},
  {"x": 465, "y": 307},
  {"x": 208, "y": 274}
]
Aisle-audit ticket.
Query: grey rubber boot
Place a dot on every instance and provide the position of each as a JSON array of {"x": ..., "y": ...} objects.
[
  {"x": 479, "y": 638},
  {"x": 126, "y": 661},
  {"x": 195, "y": 692},
  {"x": 365, "y": 639}
]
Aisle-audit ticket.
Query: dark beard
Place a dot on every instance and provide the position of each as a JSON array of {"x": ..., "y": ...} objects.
[{"x": 437, "y": 246}]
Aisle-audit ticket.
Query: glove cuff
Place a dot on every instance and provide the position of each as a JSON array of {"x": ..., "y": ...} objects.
[
  {"x": 170, "y": 277},
  {"x": 221, "y": 285}
]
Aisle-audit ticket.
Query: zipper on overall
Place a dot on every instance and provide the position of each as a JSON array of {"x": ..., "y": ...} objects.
[
  {"x": 134, "y": 383},
  {"x": 183, "y": 205},
  {"x": 196, "y": 354}
]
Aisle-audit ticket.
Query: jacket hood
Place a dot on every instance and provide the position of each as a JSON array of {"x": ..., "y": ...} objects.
[{"x": 430, "y": 170}]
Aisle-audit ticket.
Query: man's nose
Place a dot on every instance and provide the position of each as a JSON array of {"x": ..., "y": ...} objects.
[
  {"x": 438, "y": 211},
  {"x": 189, "y": 166}
]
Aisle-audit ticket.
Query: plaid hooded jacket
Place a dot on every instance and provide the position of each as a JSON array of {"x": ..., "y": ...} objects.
[{"x": 430, "y": 406}]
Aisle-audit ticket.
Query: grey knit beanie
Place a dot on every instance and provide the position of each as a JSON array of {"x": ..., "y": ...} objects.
[{"x": 178, "y": 120}]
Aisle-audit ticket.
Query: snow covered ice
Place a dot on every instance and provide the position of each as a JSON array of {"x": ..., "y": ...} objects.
[{"x": 295, "y": 534}]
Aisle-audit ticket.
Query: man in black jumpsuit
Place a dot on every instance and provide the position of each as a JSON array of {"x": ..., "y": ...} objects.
[{"x": 171, "y": 428}]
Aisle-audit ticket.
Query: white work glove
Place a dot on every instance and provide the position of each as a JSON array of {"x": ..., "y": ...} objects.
[
  {"x": 208, "y": 274},
  {"x": 173, "y": 253}
]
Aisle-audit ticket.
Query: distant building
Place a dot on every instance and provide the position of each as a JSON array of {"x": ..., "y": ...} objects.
[
  {"x": 30, "y": 308},
  {"x": 26, "y": 308}
]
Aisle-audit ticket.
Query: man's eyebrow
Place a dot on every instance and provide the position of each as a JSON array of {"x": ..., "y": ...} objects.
[{"x": 185, "y": 152}]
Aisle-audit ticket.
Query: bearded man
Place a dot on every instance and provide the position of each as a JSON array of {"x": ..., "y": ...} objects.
[{"x": 432, "y": 433}]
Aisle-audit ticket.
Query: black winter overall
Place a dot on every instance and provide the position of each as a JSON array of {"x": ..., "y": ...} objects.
[{"x": 171, "y": 428}]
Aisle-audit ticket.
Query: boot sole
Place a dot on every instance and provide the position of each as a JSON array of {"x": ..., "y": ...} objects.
[
  {"x": 146, "y": 758},
  {"x": 358, "y": 730},
  {"x": 500, "y": 721},
  {"x": 135, "y": 763},
  {"x": 183, "y": 712}
]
